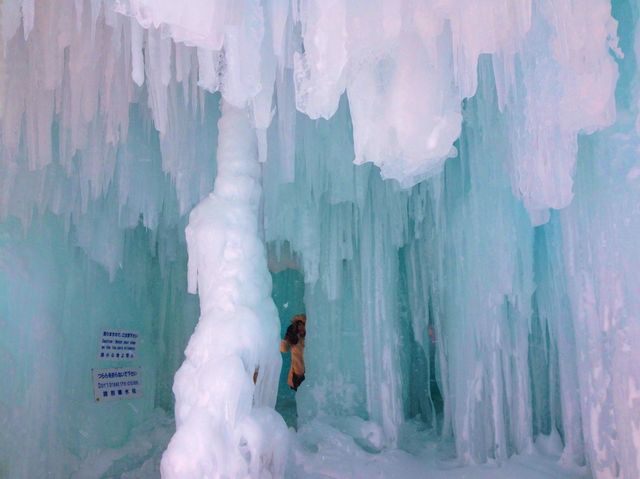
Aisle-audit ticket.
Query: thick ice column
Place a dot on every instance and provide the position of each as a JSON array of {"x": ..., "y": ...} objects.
[
  {"x": 379, "y": 316},
  {"x": 222, "y": 419},
  {"x": 600, "y": 233},
  {"x": 483, "y": 242},
  {"x": 555, "y": 316}
]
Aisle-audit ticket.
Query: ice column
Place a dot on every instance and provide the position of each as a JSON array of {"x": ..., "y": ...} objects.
[
  {"x": 555, "y": 317},
  {"x": 600, "y": 231},
  {"x": 222, "y": 418},
  {"x": 379, "y": 316},
  {"x": 482, "y": 286}
]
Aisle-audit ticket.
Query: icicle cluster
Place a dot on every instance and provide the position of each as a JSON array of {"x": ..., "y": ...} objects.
[{"x": 404, "y": 66}]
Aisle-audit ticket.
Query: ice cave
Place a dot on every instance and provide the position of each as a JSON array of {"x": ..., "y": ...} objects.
[{"x": 445, "y": 193}]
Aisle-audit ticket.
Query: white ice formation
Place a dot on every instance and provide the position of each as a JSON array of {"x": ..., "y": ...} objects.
[{"x": 226, "y": 425}]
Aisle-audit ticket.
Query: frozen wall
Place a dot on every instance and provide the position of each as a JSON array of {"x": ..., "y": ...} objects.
[
  {"x": 474, "y": 266},
  {"x": 92, "y": 239},
  {"x": 54, "y": 304}
]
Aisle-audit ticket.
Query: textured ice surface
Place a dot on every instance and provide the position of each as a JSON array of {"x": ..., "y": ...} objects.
[
  {"x": 225, "y": 424},
  {"x": 54, "y": 302},
  {"x": 339, "y": 447},
  {"x": 428, "y": 290},
  {"x": 405, "y": 66}
]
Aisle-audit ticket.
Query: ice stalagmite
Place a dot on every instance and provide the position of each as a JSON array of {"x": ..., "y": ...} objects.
[{"x": 226, "y": 426}]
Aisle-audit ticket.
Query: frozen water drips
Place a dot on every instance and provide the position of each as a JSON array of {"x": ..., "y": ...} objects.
[
  {"x": 66, "y": 124},
  {"x": 565, "y": 87},
  {"x": 552, "y": 305},
  {"x": 225, "y": 424},
  {"x": 234, "y": 29},
  {"x": 481, "y": 327},
  {"x": 380, "y": 315},
  {"x": 405, "y": 67}
]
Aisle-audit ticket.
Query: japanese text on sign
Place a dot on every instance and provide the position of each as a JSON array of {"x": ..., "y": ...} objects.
[
  {"x": 118, "y": 345},
  {"x": 116, "y": 383}
]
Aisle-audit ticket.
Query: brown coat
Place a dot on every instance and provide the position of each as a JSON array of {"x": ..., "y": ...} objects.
[{"x": 297, "y": 358}]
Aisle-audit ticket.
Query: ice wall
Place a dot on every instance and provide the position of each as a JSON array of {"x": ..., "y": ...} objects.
[
  {"x": 92, "y": 237},
  {"x": 602, "y": 283},
  {"x": 426, "y": 280},
  {"x": 484, "y": 325},
  {"x": 54, "y": 303}
]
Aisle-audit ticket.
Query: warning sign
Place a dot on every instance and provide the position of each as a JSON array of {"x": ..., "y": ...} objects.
[
  {"x": 116, "y": 383},
  {"x": 118, "y": 345}
]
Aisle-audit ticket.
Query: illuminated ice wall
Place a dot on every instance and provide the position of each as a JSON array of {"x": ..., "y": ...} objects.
[{"x": 458, "y": 182}]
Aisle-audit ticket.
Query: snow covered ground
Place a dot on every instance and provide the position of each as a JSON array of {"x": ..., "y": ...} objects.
[
  {"x": 331, "y": 447},
  {"x": 322, "y": 451}
]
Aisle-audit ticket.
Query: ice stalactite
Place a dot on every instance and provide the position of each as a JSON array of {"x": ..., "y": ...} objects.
[
  {"x": 226, "y": 425},
  {"x": 555, "y": 393},
  {"x": 564, "y": 87},
  {"x": 481, "y": 327},
  {"x": 379, "y": 314},
  {"x": 405, "y": 67}
]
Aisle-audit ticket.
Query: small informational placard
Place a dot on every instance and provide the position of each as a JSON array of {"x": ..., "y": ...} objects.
[
  {"x": 116, "y": 383},
  {"x": 118, "y": 345}
]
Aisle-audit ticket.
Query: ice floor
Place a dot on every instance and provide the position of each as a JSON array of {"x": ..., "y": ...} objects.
[
  {"x": 332, "y": 447},
  {"x": 321, "y": 451}
]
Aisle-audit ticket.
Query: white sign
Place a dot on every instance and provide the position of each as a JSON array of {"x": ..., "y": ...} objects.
[
  {"x": 116, "y": 383},
  {"x": 118, "y": 345}
]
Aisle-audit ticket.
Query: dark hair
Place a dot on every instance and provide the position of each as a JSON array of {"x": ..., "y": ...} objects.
[{"x": 291, "y": 336}]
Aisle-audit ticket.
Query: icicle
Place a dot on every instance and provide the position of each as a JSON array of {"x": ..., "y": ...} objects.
[
  {"x": 79, "y": 7},
  {"x": 137, "y": 61},
  {"x": 560, "y": 61},
  {"x": 28, "y": 16},
  {"x": 158, "y": 72},
  {"x": 183, "y": 63},
  {"x": 11, "y": 16},
  {"x": 208, "y": 70}
]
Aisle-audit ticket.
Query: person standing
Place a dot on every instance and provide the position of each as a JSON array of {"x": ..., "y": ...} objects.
[{"x": 293, "y": 342}]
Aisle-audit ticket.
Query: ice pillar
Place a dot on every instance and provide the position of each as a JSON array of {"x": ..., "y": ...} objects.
[
  {"x": 600, "y": 232},
  {"x": 221, "y": 417}
]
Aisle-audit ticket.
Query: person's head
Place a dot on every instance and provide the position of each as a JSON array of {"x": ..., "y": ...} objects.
[
  {"x": 299, "y": 318},
  {"x": 300, "y": 322}
]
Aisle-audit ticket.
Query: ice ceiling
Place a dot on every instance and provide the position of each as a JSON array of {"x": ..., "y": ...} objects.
[{"x": 458, "y": 181}]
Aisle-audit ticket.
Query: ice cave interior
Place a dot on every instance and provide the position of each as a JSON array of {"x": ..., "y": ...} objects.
[{"x": 448, "y": 189}]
